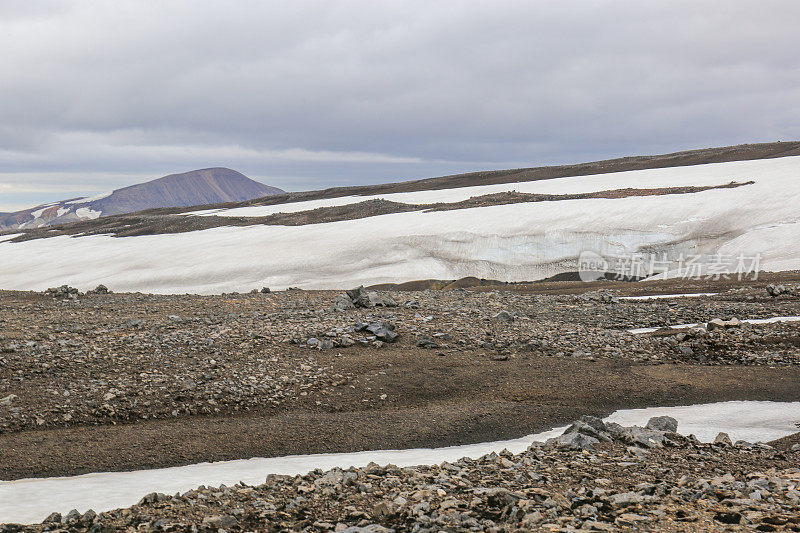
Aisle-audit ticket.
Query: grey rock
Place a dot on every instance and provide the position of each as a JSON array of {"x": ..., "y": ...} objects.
[
  {"x": 8, "y": 400},
  {"x": 223, "y": 521},
  {"x": 625, "y": 499},
  {"x": 383, "y": 331},
  {"x": 359, "y": 297},
  {"x": 583, "y": 428},
  {"x": 595, "y": 422},
  {"x": 371, "y": 528},
  {"x": 342, "y": 303},
  {"x": 426, "y": 342},
  {"x": 504, "y": 316},
  {"x": 663, "y": 423},
  {"x": 777, "y": 290},
  {"x": 723, "y": 439},
  {"x": 573, "y": 441},
  {"x": 381, "y": 300}
]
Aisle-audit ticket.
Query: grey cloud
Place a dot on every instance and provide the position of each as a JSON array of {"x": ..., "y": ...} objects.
[{"x": 131, "y": 88}]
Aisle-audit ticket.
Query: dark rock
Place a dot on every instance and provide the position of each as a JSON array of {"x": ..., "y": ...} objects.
[
  {"x": 663, "y": 423},
  {"x": 426, "y": 342},
  {"x": 224, "y": 522},
  {"x": 728, "y": 517}
]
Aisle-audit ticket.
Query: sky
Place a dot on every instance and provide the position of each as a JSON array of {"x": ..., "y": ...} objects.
[{"x": 312, "y": 94}]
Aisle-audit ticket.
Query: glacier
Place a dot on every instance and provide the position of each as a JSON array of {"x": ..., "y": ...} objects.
[{"x": 514, "y": 242}]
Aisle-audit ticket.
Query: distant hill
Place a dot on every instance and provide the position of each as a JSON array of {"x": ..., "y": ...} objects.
[{"x": 198, "y": 187}]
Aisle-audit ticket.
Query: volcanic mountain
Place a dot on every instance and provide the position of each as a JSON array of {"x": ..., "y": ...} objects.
[{"x": 197, "y": 187}]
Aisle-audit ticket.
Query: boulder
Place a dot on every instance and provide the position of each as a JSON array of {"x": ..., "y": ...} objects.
[
  {"x": 426, "y": 342},
  {"x": 221, "y": 522},
  {"x": 723, "y": 439},
  {"x": 574, "y": 441},
  {"x": 777, "y": 290},
  {"x": 342, "y": 303},
  {"x": 359, "y": 297},
  {"x": 718, "y": 323},
  {"x": 504, "y": 316},
  {"x": 100, "y": 289},
  {"x": 64, "y": 291},
  {"x": 383, "y": 331},
  {"x": 663, "y": 423},
  {"x": 381, "y": 300},
  {"x": 588, "y": 430}
]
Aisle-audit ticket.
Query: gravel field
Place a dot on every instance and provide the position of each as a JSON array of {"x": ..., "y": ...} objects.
[{"x": 106, "y": 381}]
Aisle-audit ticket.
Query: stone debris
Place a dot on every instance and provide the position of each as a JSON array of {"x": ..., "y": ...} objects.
[
  {"x": 611, "y": 484},
  {"x": 64, "y": 291},
  {"x": 100, "y": 289},
  {"x": 156, "y": 349},
  {"x": 778, "y": 290}
]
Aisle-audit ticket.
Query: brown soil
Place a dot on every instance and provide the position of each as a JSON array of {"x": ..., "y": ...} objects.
[
  {"x": 431, "y": 401},
  {"x": 467, "y": 392}
]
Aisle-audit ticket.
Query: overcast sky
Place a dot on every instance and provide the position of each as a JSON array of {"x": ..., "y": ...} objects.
[{"x": 301, "y": 94}]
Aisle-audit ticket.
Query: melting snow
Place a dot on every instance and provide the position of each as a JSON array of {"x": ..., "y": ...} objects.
[
  {"x": 85, "y": 212},
  {"x": 661, "y": 296},
  {"x": 91, "y": 198},
  {"x": 756, "y": 321},
  {"x": 31, "y": 500},
  {"x": 508, "y": 242}
]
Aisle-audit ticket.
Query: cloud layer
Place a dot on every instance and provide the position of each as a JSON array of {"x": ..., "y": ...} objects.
[{"x": 97, "y": 95}]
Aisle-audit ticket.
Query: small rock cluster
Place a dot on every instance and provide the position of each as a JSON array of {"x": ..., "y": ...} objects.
[
  {"x": 778, "y": 290},
  {"x": 361, "y": 298},
  {"x": 63, "y": 292}
]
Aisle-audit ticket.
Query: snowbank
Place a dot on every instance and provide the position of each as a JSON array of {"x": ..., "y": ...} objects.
[
  {"x": 31, "y": 500},
  {"x": 507, "y": 242}
]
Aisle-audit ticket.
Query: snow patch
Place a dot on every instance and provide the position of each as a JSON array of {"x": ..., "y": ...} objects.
[
  {"x": 31, "y": 500},
  {"x": 662, "y": 296},
  {"x": 756, "y": 321},
  {"x": 87, "y": 213},
  {"x": 514, "y": 242},
  {"x": 91, "y": 198}
]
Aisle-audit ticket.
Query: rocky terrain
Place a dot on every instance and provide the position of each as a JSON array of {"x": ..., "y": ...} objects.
[
  {"x": 101, "y": 358},
  {"x": 595, "y": 477},
  {"x": 103, "y": 381},
  {"x": 363, "y": 369}
]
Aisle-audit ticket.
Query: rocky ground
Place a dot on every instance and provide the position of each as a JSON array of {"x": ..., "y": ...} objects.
[
  {"x": 595, "y": 477},
  {"x": 106, "y": 381},
  {"x": 110, "y": 358}
]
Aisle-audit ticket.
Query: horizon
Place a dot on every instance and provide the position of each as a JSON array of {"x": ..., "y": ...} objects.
[{"x": 400, "y": 179}]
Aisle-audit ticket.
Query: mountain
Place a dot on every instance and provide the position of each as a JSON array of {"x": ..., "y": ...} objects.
[
  {"x": 686, "y": 214},
  {"x": 198, "y": 187}
]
